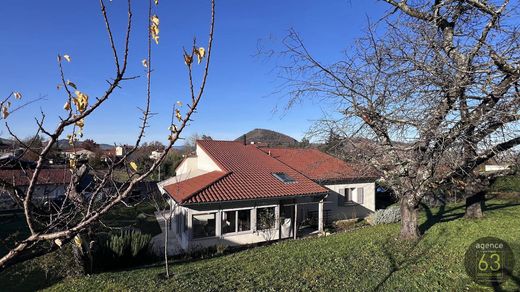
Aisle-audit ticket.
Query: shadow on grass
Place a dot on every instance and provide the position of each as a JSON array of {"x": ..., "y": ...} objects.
[
  {"x": 447, "y": 215},
  {"x": 411, "y": 258}
]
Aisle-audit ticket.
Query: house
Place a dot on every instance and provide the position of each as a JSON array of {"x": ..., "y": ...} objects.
[
  {"x": 230, "y": 193},
  {"x": 78, "y": 153},
  {"x": 52, "y": 184},
  {"x": 494, "y": 167}
]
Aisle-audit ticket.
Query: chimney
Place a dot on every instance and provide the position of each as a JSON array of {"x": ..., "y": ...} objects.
[
  {"x": 269, "y": 152},
  {"x": 245, "y": 139}
]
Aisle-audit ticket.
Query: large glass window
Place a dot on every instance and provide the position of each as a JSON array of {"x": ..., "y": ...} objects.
[
  {"x": 244, "y": 220},
  {"x": 203, "y": 225},
  {"x": 265, "y": 218},
  {"x": 236, "y": 221},
  {"x": 229, "y": 221}
]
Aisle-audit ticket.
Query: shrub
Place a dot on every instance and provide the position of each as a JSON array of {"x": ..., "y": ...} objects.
[
  {"x": 121, "y": 249},
  {"x": 506, "y": 184},
  {"x": 343, "y": 225},
  {"x": 128, "y": 243},
  {"x": 389, "y": 215},
  {"x": 59, "y": 264}
]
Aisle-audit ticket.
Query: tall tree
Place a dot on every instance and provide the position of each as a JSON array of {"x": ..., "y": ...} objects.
[
  {"x": 81, "y": 210},
  {"x": 436, "y": 89}
]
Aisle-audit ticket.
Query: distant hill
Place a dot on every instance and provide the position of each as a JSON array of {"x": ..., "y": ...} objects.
[
  {"x": 267, "y": 136},
  {"x": 64, "y": 144}
]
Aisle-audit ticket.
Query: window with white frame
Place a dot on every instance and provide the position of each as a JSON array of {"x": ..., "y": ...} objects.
[
  {"x": 265, "y": 218},
  {"x": 346, "y": 196},
  {"x": 203, "y": 225},
  {"x": 229, "y": 221},
  {"x": 244, "y": 220},
  {"x": 350, "y": 194},
  {"x": 361, "y": 195},
  {"x": 236, "y": 221}
]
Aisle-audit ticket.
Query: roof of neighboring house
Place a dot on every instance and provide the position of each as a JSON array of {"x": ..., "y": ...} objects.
[
  {"x": 48, "y": 176},
  {"x": 247, "y": 173},
  {"x": 320, "y": 166},
  {"x": 78, "y": 150}
]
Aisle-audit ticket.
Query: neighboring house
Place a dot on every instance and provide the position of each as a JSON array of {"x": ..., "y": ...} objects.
[
  {"x": 52, "y": 184},
  {"x": 234, "y": 194},
  {"x": 494, "y": 167},
  {"x": 351, "y": 186},
  {"x": 78, "y": 153}
]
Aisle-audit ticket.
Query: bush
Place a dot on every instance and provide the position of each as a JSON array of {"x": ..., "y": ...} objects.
[
  {"x": 59, "y": 264},
  {"x": 506, "y": 184},
  {"x": 125, "y": 248},
  {"x": 343, "y": 225},
  {"x": 389, "y": 215}
]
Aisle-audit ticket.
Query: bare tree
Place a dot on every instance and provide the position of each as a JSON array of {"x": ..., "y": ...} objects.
[
  {"x": 84, "y": 207},
  {"x": 436, "y": 92},
  {"x": 166, "y": 211}
]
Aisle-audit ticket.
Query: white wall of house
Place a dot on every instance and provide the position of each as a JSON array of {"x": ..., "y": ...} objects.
[
  {"x": 495, "y": 167},
  {"x": 362, "y": 203},
  {"x": 204, "y": 162},
  {"x": 182, "y": 237}
]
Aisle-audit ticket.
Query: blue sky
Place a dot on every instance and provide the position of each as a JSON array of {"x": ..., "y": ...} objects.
[{"x": 240, "y": 87}]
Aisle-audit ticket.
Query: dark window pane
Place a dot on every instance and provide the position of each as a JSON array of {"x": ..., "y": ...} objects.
[
  {"x": 265, "y": 218},
  {"x": 244, "y": 220},
  {"x": 229, "y": 221},
  {"x": 204, "y": 225}
]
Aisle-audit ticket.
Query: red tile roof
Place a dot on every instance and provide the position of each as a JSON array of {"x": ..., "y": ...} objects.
[
  {"x": 320, "y": 166},
  {"x": 19, "y": 177},
  {"x": 248, "y": 174},
  {"x": 183, "y": 190}
]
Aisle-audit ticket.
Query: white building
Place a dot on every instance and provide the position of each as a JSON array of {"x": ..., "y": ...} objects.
[
  {"x": 52, "y": 183},
  {"x": 235, "y": 194}
]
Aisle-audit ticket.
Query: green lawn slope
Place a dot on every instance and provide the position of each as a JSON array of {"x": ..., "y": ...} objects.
[{"x": 367, "y": 259}]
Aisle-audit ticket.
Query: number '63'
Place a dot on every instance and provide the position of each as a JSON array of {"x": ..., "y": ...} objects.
[{"x": 493, "y": 264}]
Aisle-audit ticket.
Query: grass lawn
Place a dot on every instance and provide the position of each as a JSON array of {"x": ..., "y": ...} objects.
[
  {"x": 363, "y": 260},
  {"x": 29, "y": 276}
]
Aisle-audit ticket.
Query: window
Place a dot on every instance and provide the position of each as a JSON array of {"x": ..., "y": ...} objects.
[
  {"x": 203, "y": 225},
  {"x": 244, "y": 220},
  {"x": 265, "y": 218},
  {"x": 361, "y": 195},
  {"x": 350, "y": 194},
  {"x": 236, "y": 221},
  {"x": 284, "y": 177},
  {"x": 229, "y": 220},
  {"x": 346, "y": 196},
  {"x": 341, "y": 197}
]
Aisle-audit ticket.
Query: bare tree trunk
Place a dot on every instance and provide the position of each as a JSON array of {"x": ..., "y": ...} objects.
[
  {"x": 166, "y": 227},
  {"x": 474, "y": 205},
  {"x": 409, "y": 226}
]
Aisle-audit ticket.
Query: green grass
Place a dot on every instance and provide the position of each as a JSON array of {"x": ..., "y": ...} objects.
[
  {"x": 43, "y": 271},
  {"x": 363, "y": 260}
]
